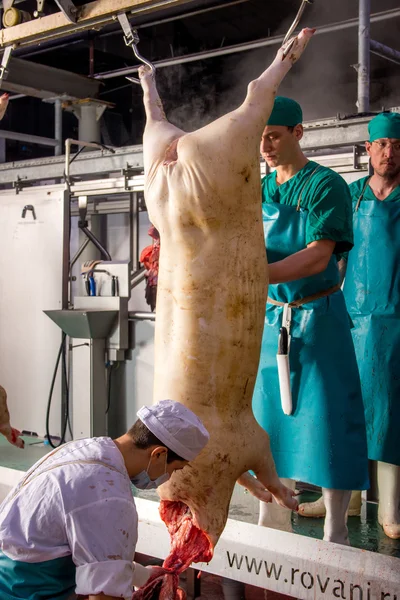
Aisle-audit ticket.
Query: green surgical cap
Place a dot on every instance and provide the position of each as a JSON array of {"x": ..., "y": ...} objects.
[
  {"x": 286, "y": 112},
  {"x": 384, "y": 125}
]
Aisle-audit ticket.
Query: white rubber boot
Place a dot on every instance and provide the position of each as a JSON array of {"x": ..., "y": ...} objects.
[
  {"x": 233, "y": 590},
  {"x": 335, "y": 526},
  {"x": 275, "y": 516},
  {"x": 389, "y": 499},
  {"x": 317, "y": 509}
]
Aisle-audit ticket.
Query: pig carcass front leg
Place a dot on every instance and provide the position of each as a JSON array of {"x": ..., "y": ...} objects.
[
  {"x": 160, "y": 136},
  {"x": 9, "y": 432}
]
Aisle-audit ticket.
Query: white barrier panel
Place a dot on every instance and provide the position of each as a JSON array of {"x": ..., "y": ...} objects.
[
  {"x": 292, "y": 564},
  {"x": 8, "y": 479}
]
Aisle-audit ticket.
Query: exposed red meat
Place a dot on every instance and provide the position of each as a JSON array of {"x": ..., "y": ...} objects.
[
  {"x": 150, "y": 257},
  {"x": 188, "y": 544}
]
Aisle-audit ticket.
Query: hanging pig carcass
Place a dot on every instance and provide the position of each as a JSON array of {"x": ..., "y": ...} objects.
[{"x": 203, "y": 194}]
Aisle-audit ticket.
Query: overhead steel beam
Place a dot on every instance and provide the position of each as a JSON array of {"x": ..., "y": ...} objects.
[
  {"x": 385, "y": 52},
  {"x": 86, "y": 164},
  {"x": 262, "y": 43},
  {"x": 317, "y": 139},
  {"x": 91, "y": 15},
  {"x": 337, "y": 133},
  {"x": 32, "y": 79},
  {"x": 319, "y": 134}
]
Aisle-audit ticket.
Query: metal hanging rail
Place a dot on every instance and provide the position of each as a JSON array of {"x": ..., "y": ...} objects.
[{"x": 271, "y": 41}]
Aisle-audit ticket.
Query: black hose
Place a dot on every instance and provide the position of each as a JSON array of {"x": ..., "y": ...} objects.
[
  {"x": 61, "y": 354},
  {"x": 110, "y": 369},
  {"x": 66, "y": 382},
  {"x": 104, "y": 253}
]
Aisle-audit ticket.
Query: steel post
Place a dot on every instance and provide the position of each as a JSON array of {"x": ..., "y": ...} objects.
[
  {"x": 89, "y": 124},
  {"x": 364, "y": 56},
  {"x": 58, "y": 127}
]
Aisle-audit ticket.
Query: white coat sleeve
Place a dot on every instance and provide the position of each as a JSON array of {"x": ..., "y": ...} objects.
[
  {"x": 141, "y": 575},
  {"x": 102, "y": 537}
]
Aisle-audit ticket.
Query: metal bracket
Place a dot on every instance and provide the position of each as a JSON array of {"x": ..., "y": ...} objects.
[
  {"x": 4, "y": 63},
  {"x": 26, "y": 208},
  {"x": 82, "y": 206},
  {"x": 18, "y": 185},
  {"x": 141, "y": 202},
  {"x": 130, "y": 35},
  {"x": 7, "y": 4},
  {"x": 356, "y": 157},
  {"x": 131, "y": 38},
  {"x": 39, "y": 12},
  {"x": 69, "y": 9},
  {"x": 127, "y": 174}
]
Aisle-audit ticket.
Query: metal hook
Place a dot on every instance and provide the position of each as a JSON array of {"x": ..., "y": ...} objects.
[
  {"x": 31, "y": 208},
  {"x": 293, "y": 28},
  {"x": 131, "y": 38}
]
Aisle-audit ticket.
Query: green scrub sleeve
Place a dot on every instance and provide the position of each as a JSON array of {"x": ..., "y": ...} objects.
[{"x": 330, "y": 212}]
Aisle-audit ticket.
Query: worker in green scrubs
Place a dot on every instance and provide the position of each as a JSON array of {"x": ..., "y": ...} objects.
[
  {"x": 309, "y": 400},
  {"x": 372, "y": 293}
]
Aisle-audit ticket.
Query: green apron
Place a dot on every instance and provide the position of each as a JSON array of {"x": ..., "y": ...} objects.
[
  {"x": 323, "y": 441},
  {"x": 372, "y": 293},
  {"x": 49, "y": 580}
]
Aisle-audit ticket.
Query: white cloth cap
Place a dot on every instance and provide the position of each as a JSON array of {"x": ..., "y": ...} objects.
[{"x": 176, "y": 426}]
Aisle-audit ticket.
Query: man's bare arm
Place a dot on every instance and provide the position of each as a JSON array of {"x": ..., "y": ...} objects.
[{"x": 312, "y": 260}]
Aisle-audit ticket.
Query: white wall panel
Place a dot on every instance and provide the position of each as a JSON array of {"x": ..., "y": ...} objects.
[{"x": 30, "y": 282}]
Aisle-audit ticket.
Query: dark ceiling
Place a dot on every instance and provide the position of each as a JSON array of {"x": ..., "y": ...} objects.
[{"x": 324, "y": 81}]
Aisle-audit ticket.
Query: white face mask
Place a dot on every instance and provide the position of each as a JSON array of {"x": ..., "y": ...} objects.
[{"x": 143, "y": 482}]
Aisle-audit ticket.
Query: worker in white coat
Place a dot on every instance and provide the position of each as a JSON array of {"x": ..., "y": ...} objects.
[{"x": 70, "y": 526}]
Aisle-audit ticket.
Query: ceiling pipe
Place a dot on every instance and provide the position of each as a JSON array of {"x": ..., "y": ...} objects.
[
  {"x": 271, "y": 41},
  {"x": 26, "y": 137},
  {"x": 385, "y": 52}
]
